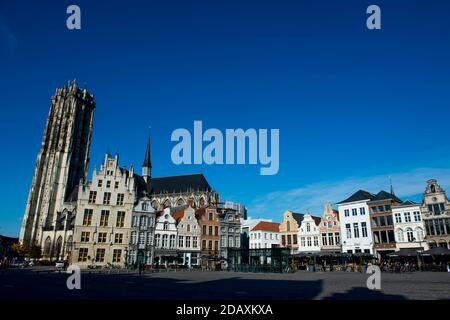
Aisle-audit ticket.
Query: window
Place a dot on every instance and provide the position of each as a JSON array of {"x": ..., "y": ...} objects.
[
  {"x": 373, "y": 209},
  {"x": 324, "y": 239},
  {"x": 389, "y": 220},
  {"x": 100, "y": 183},
  {"x": 210, "y": 216},
  {"x": 120, "y": 198},
  {"x": 166, "y": 225},
  {"x": 337, "y": 238},
  {"x": 380, "y": 208},
  {"x": 288, "y": 226},
  {"x": 362, "y": 211},
  {"x": 92, "y": 196},
  {"x": 384, "y": 238},
  {"x": 294, "y": 238},
  {"x": 188, "y": 241},
  {"x": 133, "y": 237},
  {"x": 417, "y": 216},
  {"x": 398, "y": 218},
  {"x": 289, "y": 239},
  {"x": 419, "y": 234},
  {"x": 104, "y": 218},
  {"x": 216, "y": 245},
  {"x": 143, "y": 222},
  {"x": 376, "y": 237},
  {"x": 158, "y": 240},
  {"x": 375, "y": 221},
  {"x": 382, "y": 221},
  {"x": 100, "y": 256},
  {"x": 346, "y": 212},
  {"x": 204, "y": 244},
  {"x": 387, "y": 208},
  {"x": 309, "y": 241},
  {"x": 354, "y": 212},
  {"x": 142, "y": 239},
  {"x": 116, "y": 185},
  {"x": 230, "y": 241},
  {"x": 265, "y": 235},
  {"x": 188, "y": 228},
  {"x": 316, "y": 241},
  {"x": 204, "y": 230},
  {"x": 330, "y": 239},
  {"x": 236, "y": 241},
  {"x": 85, "y": 236},
  {"x": 120, "y": 219},
  {"x": 102, "y": 237},
  {"x": 135, "y": 221},
  {"x": 106, "y": 197},
  {"x": 210, "y": 230},
  {"x": 308, "y": 227},
  {"x": 409, "y": 234},
  {"x": 82, "y": 255},
  {"x": 216, "y": 229},
  {"x": 391, "y": 237},
  {"x": 149, "y": 238},
  {"x": 303, "y": 241},
  {"x": 172, "y": 241},
  {"x": 194, "y": 242},
  {"x": 400, "y": 235},
  {"x": 117, "y": 255},
  {"x": 349, "y": 230},
  {"x": 87, "y": 218},
  {"x": 356, "y": 230},
  {"x": 364, "y": 229},
  {"x": 223, "y": 242},
  {"x": 108, "y": 184},
  {"x": 283, "y": 240},
  {"x": 210, "y": 244},
  {"x": 407, "y": 217},
  {"x": 165, "y": 239}
]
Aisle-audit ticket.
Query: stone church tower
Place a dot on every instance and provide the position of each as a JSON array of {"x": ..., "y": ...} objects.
[{"x": 62, "y": 162}]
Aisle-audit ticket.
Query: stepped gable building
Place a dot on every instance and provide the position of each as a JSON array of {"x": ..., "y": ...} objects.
[
  {"x": 330, "y": 230},
  {"x": 436, "y": 215},
  {"x": 382, "y": 222},
  {"x": 189, "y": 236},
  {"x": 356, "y": 233},
  {"x": 289, "y": 230},
  {"x": 61, "y": 164}
]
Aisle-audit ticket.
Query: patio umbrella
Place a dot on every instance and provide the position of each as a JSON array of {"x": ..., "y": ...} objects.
[
  {"x": 403, "y": 253},
  {"x": 437, "y": 251}
]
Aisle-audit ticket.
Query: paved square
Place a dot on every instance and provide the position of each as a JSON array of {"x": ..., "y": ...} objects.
[{"x": 23, "y": 284}]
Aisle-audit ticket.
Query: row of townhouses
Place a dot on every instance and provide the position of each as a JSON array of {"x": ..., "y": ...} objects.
[
  {"x": 121, "y": 217},
  {"x": 364, "y": 223}
]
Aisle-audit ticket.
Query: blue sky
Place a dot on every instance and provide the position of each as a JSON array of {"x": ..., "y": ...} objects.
[{"x": 353, "y": 106}]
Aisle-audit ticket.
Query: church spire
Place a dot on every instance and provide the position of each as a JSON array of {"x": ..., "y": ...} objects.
[{"x": 147, "y": 165}]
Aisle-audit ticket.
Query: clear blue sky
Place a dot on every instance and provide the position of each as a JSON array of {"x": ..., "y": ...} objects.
[{"x": 353, "y": 106}]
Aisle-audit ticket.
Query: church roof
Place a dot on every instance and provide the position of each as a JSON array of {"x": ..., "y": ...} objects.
[{"x": 173, "y": 184}]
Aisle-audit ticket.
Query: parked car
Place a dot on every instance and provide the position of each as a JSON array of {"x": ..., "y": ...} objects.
[
  {"x": 59, "y": 265},
  {"x": 19, "y": 263}
]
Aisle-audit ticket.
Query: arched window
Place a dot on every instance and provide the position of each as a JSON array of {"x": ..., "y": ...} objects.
[
  {"x": 144, "y": 206},
  {"x": 288, "y": 226},
  {"x": 180, "y": 202},
  {"x": 154, "y": 205},
  {"x": 410, "y": 235},
  {"x": 308, "y": 227},
  {"x": 69, "y": 244},
  {"x": 433, "y": 188},
  {"x": 47, "y": 247},
  {"x": 59, "y": 248},
  {"x": 419, "y": 234},
  {"x": 167, "y": 203},
  {"x": 202, "y": 202},
  {"x": 400, "y": 237}
]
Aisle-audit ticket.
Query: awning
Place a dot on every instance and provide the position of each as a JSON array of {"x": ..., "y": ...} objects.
[
  {"x": 403, "y": 253},
  {"x": 437, "y": 251}
]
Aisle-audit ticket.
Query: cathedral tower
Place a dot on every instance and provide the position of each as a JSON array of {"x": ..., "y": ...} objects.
[{"x": 62, "y": 161}]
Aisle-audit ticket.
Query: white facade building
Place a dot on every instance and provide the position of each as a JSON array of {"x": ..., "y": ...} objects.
[
  {"x": 165, "y": 238},
  {"x": 308, "y": 234},
  {"x": 354, "y": 218},
  {"x": 265, "y": 235},
  {"x": 409, "y": 228}
]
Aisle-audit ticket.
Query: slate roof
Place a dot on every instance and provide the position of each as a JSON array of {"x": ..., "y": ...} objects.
[
  {"x": 383, "y": 195},
  {"x": 173, "y": 184},
  {"x": 408, "y": 203},
  {"x": 298, "y": 217},
  {"x": 358, "y": 196}
]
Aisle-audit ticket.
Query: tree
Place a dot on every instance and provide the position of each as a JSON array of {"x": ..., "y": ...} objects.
[
  {"x": 19, "y": 250},
  {"x": 36, "y": 252}
]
